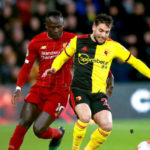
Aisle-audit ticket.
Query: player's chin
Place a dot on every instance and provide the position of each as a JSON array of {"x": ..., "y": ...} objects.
[
  {"x": 101, "y": 41},
  {"x": 56, "y": 36}
]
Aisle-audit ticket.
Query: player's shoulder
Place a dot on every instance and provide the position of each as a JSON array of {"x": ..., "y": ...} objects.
[
  {"x": 36, "y": 40},
  {"x": 68, "y": 34},
  {"x": 115, "y": 44},
  {"x": 111, "y": 41},
  {"x": 39, "y": 36}
]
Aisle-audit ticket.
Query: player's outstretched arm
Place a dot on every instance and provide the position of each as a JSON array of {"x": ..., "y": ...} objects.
[
  {"x": 139, "y": 65},
  {"x": 57, "y": 64},
  {"x": 65, "y": 55},
  {"x": 110, "y": 84},
  {"x": 125, "y": 55}
]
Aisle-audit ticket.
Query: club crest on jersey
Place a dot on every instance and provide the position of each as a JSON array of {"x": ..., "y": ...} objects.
[
  {"x": 106, "y": 52},
  {"x": 43, "y": 47}
]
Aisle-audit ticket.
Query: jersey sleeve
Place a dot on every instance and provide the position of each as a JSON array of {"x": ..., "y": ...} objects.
[
  {"x": 24, "y": 72},
  {"x": 139, "y": 65},
  {"x": 71, "y": 47},
  {"x": 125, "y": 55},
  {"x": 66, "y": 54},
  {"x": 121, "y": 52}
]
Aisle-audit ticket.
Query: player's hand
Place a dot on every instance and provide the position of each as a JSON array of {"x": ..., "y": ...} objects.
[
  {"x": 49, "y": 72},
  {"x": 15, "y": 96},
  {"x": 110, "y": 86}
]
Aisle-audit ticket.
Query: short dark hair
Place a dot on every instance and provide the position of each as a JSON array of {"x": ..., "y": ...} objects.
[
  {"x": 54, "y": 13},
  {"x": 103, "y": 18}
]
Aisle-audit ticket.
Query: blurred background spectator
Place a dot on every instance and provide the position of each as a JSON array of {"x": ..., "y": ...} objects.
[{"x": 21, "y": 20}]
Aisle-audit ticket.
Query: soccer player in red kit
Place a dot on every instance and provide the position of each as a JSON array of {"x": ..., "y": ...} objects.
[{"x": 48, "y": 96}]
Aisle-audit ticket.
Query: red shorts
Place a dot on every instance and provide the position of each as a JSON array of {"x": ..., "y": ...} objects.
[{"x": 52, "y": 101}]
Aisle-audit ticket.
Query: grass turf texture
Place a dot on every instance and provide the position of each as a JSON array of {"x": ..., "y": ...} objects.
[{"x": 120, "y": 139}]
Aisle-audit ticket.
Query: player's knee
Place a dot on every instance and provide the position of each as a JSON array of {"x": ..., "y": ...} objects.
[
  {"x": 107, "y": 126},
  {"x": 37, "y": 130},
  {"x": 85, "y": 118},
  {"x": 25, "y": 122}
]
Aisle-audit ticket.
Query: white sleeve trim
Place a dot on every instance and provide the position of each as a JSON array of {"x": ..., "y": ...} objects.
[
  {"x": 26, "y": 61},
  {"x": 18, "y": 88}
]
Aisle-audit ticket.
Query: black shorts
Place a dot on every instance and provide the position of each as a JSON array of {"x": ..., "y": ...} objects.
[{"x": 96, "y": 101}]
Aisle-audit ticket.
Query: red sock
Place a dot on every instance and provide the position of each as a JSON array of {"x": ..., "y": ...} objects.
[
  {"x": 50, "y": 133},
  {"x": 17, "y": 138}
]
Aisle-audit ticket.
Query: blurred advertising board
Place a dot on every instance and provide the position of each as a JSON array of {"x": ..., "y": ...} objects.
[{"x": 128, "y": 101}]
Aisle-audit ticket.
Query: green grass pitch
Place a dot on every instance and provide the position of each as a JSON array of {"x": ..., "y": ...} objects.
[{"x": 120, "y": 138}]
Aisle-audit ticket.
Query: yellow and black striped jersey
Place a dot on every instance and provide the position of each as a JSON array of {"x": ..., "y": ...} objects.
[{"x": 92, "y": 62}]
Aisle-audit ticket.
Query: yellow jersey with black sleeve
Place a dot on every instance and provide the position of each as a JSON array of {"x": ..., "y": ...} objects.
[{"x": 92, "y": 62}]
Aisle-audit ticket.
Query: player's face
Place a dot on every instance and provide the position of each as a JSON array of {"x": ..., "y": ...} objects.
[
  {"x": 101, "y": 32},
  {"x": 54, "y": 26}
]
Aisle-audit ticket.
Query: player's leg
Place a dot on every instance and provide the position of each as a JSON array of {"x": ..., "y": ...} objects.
[
  {"x": 99, "y": 136},
  {"x": 41, "y": 127},
  {"x": 79, "y": 103},
  {"x": 51, "y": 110},
  {"x": 84, "y": 114},
  {"x": 28, "y": 114},
  {"x": 103, "y": 118}
]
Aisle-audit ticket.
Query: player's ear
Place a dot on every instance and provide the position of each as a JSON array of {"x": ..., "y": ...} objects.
[{"x": 93, "y": 27}]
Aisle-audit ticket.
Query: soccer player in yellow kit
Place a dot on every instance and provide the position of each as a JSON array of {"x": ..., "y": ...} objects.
[{"x": 93, "y": 55}]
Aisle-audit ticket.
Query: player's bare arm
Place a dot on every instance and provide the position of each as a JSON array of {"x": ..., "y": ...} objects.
[{"x": 110, "y": 85}]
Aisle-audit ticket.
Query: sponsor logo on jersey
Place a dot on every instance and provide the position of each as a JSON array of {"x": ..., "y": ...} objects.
[
  {"x": 49, "y": 55},
  {"x": 85, "y": 59}
]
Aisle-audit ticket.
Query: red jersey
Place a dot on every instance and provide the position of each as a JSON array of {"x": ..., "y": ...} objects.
[{"x": 47, "y": 49}]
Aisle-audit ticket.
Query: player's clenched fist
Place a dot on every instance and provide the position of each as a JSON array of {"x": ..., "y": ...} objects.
[{"x": 49, "y": 72}]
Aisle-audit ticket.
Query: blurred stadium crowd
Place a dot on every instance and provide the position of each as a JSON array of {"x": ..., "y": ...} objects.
[{"x": 21, "y": 20}]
